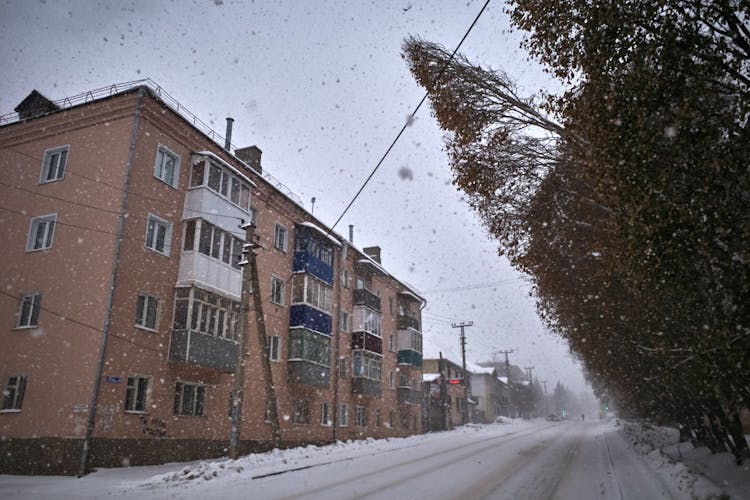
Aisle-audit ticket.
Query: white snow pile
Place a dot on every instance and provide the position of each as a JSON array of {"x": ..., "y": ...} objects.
[{"x": 696, "y": 472}]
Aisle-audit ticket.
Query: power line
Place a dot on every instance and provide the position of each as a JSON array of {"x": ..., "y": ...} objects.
[
  {"x": 410, "y": 119},
  {"x": 476, "y": 286}
]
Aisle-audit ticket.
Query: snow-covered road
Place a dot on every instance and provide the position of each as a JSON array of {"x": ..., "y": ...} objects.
[{"x": 523, "y": 460}]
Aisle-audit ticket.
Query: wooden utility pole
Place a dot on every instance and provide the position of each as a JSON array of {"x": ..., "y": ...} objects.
[
  {"x": 251, "y": 286},
  {"x": 466, "y": 374}
]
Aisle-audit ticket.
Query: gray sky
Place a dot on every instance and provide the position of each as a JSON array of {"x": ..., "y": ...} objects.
[{"x": 322, "y": 89}]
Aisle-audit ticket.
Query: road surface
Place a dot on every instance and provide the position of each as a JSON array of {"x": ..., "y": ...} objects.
[{"x": 531, "y": 460}]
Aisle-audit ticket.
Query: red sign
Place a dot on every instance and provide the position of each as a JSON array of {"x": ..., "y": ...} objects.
[{"x": 454, "y": 381}]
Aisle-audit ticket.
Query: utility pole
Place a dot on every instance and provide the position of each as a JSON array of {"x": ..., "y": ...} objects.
[
  {"x": 507, "y": 375},
  {"x": 251, "y": 286},
  {"x": 466, "y": 375},
  {"x": 528, "y": 370},
  {"x": 443, "y": 392}
]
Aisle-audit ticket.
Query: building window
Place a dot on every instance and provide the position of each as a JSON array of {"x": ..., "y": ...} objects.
[
  {"x": 13, "y": 393},
  {"x": 158, "y": 234},
  {"x": 277, "y": 290},
  {"x": 213, "y": 242},
  {"x": 305, "y": 345},
  {"x": 28, "y": 315},
  {"x": 391, "y": 419},
  {"x": 392, "y": 343},
  {"x": 368, "y": 365},
  {"x": 189, "y": 399},
  {"x": 390, "y": 305},
  {"x": 136, "y": 394},
  {"x": 324, "y": 420},
  {"x": 167, "y": 166},
  {"x": 309, "y": 290},
  {"x": 280, "y": 237},
  {"x": 53, "y": 167},
  {"x": 360, "y": 416},
  {"x": 391, "y": 380},
  {"x": 223, "y": 181},
  {"x": 344, "y": 322},
  {"x": 342, "y": 367},
  {"x": 377, "y": 417},
  {"x": 345, "y": 280},
  {"x": 274, "y": 347},
  {"x": 205, "y": 312},
  {"x": 301, "y": 412},
  {"x": 41, "y": 232},
  {"x": 146, "y": 311},
  {"x": 367, "y": 320},
  {"x": 343, "y": 415}
]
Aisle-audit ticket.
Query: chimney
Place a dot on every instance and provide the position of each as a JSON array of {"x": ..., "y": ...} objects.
[
  {"x": 251, "y": 156},
  {"x": 35, "y": 104},
  {"x": 373, "y": 253},
  {"x": 228, "y": 135},
  {"x": 351, "y": 233}
]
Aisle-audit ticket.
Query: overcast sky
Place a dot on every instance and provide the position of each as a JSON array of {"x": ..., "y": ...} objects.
[{"x": 322, "y": 89}]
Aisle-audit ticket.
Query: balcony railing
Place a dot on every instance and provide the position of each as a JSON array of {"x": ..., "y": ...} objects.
[
  {"x": 405, "y": 322},
  {"x": 205, "y": 350},
  {"x": 366, "y": 386},
  {"x": 409, "y": 357},
  {"x": 363, "y": 297},
  {"x": 409, "y": 396}
]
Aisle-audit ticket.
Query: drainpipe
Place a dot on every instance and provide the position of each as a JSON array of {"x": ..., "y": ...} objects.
[
  {"x": 336, "y": 320},
  {"x": 112, "y": 284}
]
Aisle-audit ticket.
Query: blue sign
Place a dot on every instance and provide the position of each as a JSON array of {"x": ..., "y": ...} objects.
[{"x": 113, "y": 380}]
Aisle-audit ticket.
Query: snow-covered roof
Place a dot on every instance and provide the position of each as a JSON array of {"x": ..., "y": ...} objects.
[
  {"x": 232, "y": 168},
  {"x": 322, "y": 232},
  {"x": 410, "y": 294},
  {"x": 504, "y": 380},
  {"x": 430, "y": 377},
  {"x": 482, "y": 370},
  {"x": 378, "y": 267}
]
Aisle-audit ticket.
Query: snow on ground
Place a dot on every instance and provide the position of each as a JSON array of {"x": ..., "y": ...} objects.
[{"x": 697, "y": 471}]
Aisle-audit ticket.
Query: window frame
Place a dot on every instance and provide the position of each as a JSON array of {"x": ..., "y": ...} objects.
[
  {"x": 277, "y": 290},
  {"x": 274, "y": 348},
  {"x": 360, "y": 416},
  {"x": 33, "y": 313},
  {"x": 14, "y": 404},
  {"x": 165, "y": 151},
  {"x": 46, "y": 162},
  {"x": 50, "y": 221},
  {"x": 137, "y": 393},
  {"x": 167, "y": 243},
  {"x": 325, "y": 421},
  {"x": 344, "y": 321},
  {"x": 301, "y": 412},
  {"x": 343, "y": 415},
  {"x": 140, "y": 319},
  {"x": 197, "y": 403},
  {"x": 280, "y": 229}
]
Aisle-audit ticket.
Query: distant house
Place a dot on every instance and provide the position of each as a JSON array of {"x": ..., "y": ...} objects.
[
  {"x": 444, "y": 384},
  {"x": 491, "y": 394}
]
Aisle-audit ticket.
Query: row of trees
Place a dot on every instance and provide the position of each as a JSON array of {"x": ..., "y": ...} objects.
[{"x": 626, "y": 198}]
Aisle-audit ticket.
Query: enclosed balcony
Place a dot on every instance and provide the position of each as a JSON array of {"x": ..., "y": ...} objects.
[
  {"x": 313, "y": 252},
  {"x": 367, "y": 375},
  {"x": 409, "y": 357},
  {"x": 405, "y": 322},
  {"x": 364, "y": 297},
  {"x": 309, "y": 358},
  {"x": 407, "y": 395},
  {"x": 205, "y": 350},
  {"x": 303, "y": 315}
]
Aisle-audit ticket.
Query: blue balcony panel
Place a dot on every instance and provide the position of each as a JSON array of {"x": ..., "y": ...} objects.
[
  {"x": 310, "y": 318},
  {"x": 304, "y": 261},
  {"x": 409, "y": 357}
]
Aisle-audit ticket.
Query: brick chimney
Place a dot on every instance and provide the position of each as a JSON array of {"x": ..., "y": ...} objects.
[
  {"x": 35, "y": 104},
  {"x": 373, "y": 253},
  {"x": 251, "y": 156}
]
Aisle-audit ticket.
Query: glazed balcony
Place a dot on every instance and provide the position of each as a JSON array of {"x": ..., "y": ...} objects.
[
  {"x": 366, "y": 386},
  {"x": 410, "y": 357},
  {"x": 405, "y": 322},
  {"x": 364, "y": 297},
  {"x": 300, "y": 371},
  {"x": 197, "y": 348},
  {"x": 407, "y": 395}
]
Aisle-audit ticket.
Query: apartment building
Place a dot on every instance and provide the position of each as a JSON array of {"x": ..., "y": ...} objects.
[
  {"x": 121, "y": 299},
  {"x": 444, "y": 386}
]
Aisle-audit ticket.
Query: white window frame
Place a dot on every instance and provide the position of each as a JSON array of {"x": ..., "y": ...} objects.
[
  {"x": 301, "y": 412},
  {"x": 360, "y": 416},
  {"x": 344, "y": 320},
  {"x": 345, "y": 279},
  {"x": 277, "y": 290},
  {"x": 392, "y": 343},
  {"x": 391, "y": 380},
  {"x": 195, "y": 388},
  {"x": 280, "y": 237},
  {"x": 29, "y": 318},
  {"x": 343, "y": 415},
  {"x": 58, "y": 153},
  {"x": 158, "y": 222},
  {"x": 133, "y": 384},
  {"x": 163, "y": 152},
  {"x": 49, "y": 222},
  {"x": 324, "y": 417},
  {"x": 14, "y": 404},
  {"x": 141, "y": 317},
  {"x": 274, "y": 348}
]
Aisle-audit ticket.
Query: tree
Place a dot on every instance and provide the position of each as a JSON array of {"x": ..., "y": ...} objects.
[{"x": 626, "y": 197}]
